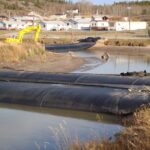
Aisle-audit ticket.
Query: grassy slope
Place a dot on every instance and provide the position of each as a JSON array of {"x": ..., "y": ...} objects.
[
  {"x": 11, "y": 52},
  {"x": 135, "y": 137}
]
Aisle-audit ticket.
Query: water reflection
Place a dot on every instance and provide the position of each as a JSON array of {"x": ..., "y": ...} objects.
[
  {"x": 115, "y": 64},
  {"x": 26, "y": 127}
]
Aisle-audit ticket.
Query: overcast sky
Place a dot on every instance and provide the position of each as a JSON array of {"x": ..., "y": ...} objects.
[{"x": 98, "y": 2}]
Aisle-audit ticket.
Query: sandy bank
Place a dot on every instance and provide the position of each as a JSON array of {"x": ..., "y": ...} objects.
[
  {"x": 124, "y": 50},
  {"x": 49, "y": 62}
]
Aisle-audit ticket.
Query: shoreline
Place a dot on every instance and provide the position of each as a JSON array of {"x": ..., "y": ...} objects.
[
  {"x": 48, "y": 62},
  {"x": 100, "y": 47},
  {"x": 33, "y": 57},
  {"x": 136, "y": 135}
]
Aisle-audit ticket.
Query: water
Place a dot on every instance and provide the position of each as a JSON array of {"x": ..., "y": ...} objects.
[
  {"x": 26, "y": 127},
  {"x": 115, "y": 64},
  {"x": 34, "y": 128}
]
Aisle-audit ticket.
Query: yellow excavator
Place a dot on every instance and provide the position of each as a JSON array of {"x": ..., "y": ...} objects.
[{"x": 22, "y": 32}]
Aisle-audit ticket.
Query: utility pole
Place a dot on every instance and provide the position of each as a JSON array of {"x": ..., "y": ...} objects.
[{"x": 129, "y": 17}]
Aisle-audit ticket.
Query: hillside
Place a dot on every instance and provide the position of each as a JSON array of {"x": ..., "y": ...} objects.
[
  {"x": 49, "y": 7},
  {"x": 20, "y": 7}
]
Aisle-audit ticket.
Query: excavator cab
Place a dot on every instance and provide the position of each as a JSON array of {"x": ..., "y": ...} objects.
[{"x": 22, "y": 32}]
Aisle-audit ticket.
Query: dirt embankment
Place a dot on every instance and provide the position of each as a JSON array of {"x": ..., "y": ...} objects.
[
  {"x": 33, "y": 57},
  {"x": 100, "y": 47},
  {"x": 49, "y": 62}
]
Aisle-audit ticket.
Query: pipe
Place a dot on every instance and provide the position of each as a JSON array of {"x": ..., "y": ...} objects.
[
  {"x": 74, "y": 79},
  {"x": 95, "y": 93},
  {"x": 84, "y": 98}
]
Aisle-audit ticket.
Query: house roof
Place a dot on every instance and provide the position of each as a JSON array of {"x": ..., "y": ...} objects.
[
  {"x": 84, "y": 20},
  {"x": 99, "y": 21},
  {"x": 2, "y": 22},
  {"x": 52, "y": 22},
  {"x": 87, "y": 20},
  {"x": 97, "y": 16},
  {"x": 12, "y": 22},
  {"x": 59, "y": 15},
  {"x": 26, "y": 18},
  {"x": 3, "y": 16}
]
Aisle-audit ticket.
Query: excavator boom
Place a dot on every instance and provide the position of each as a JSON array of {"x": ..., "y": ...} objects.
[{"x": 22, "y": 32}]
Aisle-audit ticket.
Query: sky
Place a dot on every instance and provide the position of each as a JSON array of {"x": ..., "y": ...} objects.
[{"x": 101, "y": 2}]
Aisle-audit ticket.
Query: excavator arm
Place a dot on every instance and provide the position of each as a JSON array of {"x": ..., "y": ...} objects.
[{"x": 22, "y": 32}]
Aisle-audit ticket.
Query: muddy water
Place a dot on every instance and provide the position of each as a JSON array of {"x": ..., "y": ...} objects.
[
  {"x": 34, "y": 128},
  {"x": 114, "y": 65}
]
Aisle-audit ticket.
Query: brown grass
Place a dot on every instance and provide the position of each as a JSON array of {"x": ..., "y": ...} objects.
[
  {"x": 12, "y": 52},
  {"x": 124, "y": 42},
  {"x": 135, "y": 137},
  {"x": 56, "y": 41}
]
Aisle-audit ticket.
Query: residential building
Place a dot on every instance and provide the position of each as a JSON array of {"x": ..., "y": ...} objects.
[
  {"x": 12, "y": 25},
  {"x": 80, "y": 24},
  {"x": 130, "y": 25},
  {"x": 3, "y": 18},
  {"x": 99, "y": 18},
  {"x": 99, "y": 25},
  {"x": 53, "y": 25}
]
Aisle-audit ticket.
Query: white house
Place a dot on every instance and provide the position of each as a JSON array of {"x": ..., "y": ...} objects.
[
  {"x": 2, "y": 25},
  {"x": 99, "y": 17},
  {"x": 123, "y": 26},
  {"x": 80, "y": 24},
  {"x": 99, "y": 25},
  {"x": 12, "y": 25},
  {"x": 53, "y": 25}
]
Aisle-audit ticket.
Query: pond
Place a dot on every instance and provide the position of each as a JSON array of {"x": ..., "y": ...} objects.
[
  {"x": 34, "y": 128},
  {"x": 114, "y": 65}
]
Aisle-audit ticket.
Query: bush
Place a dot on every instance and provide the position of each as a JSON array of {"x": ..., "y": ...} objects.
[{"x": 123, "y": 42}]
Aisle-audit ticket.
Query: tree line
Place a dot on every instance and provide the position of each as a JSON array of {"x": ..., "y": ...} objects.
[{"x": 48, "y": 7}]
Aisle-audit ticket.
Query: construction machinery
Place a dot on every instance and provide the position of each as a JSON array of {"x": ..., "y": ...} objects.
[{"x": 22, "y": 32}]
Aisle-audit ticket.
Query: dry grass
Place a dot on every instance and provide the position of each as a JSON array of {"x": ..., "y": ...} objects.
[
  {"x": 135, "y": 137},
  {"x": 57, "y": 41},
  {"x": 130, "y": 42},
  {"x": 12, "y": 52}
]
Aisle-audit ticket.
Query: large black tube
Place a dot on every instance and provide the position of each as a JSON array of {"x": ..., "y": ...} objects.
[
  {"x": 97, "y": 93},
  {"x": 85, "y": 98},
  {"x": 73, "y": 79},
  {"x": 83, "y": 44},
  {"x": 69, "y": 47}
]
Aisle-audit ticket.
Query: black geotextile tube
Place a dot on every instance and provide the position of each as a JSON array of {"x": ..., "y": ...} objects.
[
  {"x": 73, "y": 79},
  {"x": 96, "y": 93},
  {"x": 85, "y": 98},
  {"x": 69, "y": 47}
]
